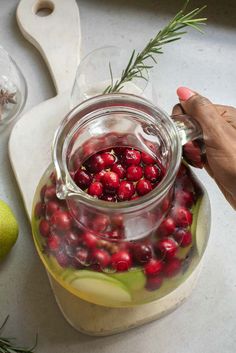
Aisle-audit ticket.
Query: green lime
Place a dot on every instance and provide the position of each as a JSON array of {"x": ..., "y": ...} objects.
[{"x": 8, "y": 229}]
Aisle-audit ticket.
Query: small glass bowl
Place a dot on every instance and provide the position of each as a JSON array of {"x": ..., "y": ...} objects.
[{"x": 13, "y": 81}]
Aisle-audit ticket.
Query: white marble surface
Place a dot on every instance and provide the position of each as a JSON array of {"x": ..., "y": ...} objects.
[{"x": 206, "y": 323}]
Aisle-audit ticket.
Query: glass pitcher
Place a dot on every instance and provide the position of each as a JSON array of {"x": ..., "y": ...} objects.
[{"x": 126, "y": 253}]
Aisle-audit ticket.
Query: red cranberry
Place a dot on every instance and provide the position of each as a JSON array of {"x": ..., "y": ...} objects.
[
  {"x": 82, "y": 179},
  {"x": 89, "y": 240},
  {"x": 119, "y": 150},
  {"x": 61, "y": 220},
  {"x": 143, "y": 187},
  {"x": 39, "y": 210},
  {"x": 51, "y": 207},
  {"x": 110, "y": 181},
  {"x": 108, "y": 158},
  {"x": 183, "y": 237},
  {"x": 44, "y": 228},
  {"x": 184, "y": 198},
  {"x": 192, "y": 154},
  {"x": 154, "y": 283},
  {"x": 182, "y": 217},
  {"x": 182, "y": 171},
  {"x": 166, "y": 247},
  {"x": 101, "y": 257},
  {"x": 172, "y": 267},
  {"x": 134, "y": 173},
  {"x": 132, "y": 157},
  {"x": 54, "y": 242},
  {"x": 153, "y": 267},
  {"x": 72, "y": 238},
  {"x": 167, "y": 227},
  {"x": 42, "y": 192},
  {"x": 125, "y": 191},
  {"x": 95, "y": 163},
  {"x": 119, "y": 170},
  {"x": 121, "y": 261},
  {"x": 147, "y": 158},
  {"x": 50, "y": 193},
  {"x": 109, "y": 198},
  {"x": 62, "y": 259},
  {"x": 152, "y": 173},
  {"x": 95, "y": 189},
  {"x": 99, "y": 176},
  {"x": 142, "y": 253},
  {"x": 100, "y": 223},
  {"x": 81, "y": 257}
]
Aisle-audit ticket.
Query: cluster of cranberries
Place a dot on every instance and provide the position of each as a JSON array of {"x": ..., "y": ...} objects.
[{"x": 119, "y": 174}]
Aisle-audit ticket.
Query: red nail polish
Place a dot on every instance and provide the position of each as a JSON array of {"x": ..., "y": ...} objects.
[{"x": 184, "y": 93}]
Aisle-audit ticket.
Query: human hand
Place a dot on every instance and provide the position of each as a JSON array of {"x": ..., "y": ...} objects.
[{"x": 218, "y": 123}]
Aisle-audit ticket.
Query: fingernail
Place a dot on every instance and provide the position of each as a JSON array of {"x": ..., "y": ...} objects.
[{"x": 184, "y": 93}]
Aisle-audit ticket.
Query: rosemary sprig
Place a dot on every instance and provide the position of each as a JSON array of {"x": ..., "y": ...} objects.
[
  {"x": 7, "y": 346},
  {"x": 137, "y": 67},
  {"x": 6, "y": 97}
]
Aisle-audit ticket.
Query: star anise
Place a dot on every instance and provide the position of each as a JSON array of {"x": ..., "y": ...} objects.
[{"x": 6, "y": 97}]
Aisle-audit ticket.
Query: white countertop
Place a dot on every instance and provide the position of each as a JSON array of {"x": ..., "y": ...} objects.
[{"x": 206, "y": 323}]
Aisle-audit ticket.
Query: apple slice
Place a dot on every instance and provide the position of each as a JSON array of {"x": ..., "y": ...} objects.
[{"x": 98, "y": 288}]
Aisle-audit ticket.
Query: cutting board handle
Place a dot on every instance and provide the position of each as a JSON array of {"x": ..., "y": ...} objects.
[{"x": 53, "y": 27}]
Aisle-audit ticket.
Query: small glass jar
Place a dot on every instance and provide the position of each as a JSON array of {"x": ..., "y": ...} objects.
[{"x": 127, "y": 253}]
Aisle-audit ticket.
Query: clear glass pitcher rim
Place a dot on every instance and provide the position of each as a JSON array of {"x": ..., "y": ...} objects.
[{"x": 74, "y": 191}]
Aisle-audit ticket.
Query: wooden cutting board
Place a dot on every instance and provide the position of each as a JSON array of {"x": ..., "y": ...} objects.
[{"x": 57, "y": 37}]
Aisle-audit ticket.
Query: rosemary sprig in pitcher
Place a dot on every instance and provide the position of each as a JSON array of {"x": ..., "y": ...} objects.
[
  {"x": 137, "y": 66},
  {"x": 7, "y": 345}
]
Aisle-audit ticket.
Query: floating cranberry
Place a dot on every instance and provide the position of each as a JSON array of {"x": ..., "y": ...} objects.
[
  {"x": 153, "y": 267},
  {"x": 42, "y": 192},
  {"x": 143, "y": 187},
  {"x": 132, "y": 157},
  {"x": 54, "y": 242},
  {"x": 152, "y": 173},
  {"x": 147, "y": 158},
  {"x": 109, "y": 198},
  {"x": 95, "y": 163},
  {"x": 51, "y": 207},
  {"x": 61, "y": 220},
  {"x": 81, "y": 257},
  {"x": 184, "y": 198},
  {"x": 142, "y": 253},
  {"x": 72, "y": 238},
  {"x": 167, "y": 227},
  {"x": 82, "y": 179},
  {"x": 108, "y": 158},
  {"x": 119, "y": 170},
  {"x": 182, "y": 171},
  {"x": 154, "y": 283},
  {"x": 95, "y": 189},
  {"x": 99, "y": 176},
  {"x": 39, "y": 210},
  {"x": 172, "y": 267},
  {"x": 166, "y": 247},
  {"x": 183, "y": 237},
  {"x": 182, "y": 217},
  {"x": 110, "y": 182},
  {"x": 100, "y": 223},
  {"x": 125, "y": 190},
  {"x": 121, "y": 261},
  {"x": 101, "y": 257},
  {"x": 134, "y": 173},
  {"x": 62, "y": 259},
  {"x": 44, "y": 228},
  {"x": 50, "y": 193},
  {"x": 89, "y": 240}
]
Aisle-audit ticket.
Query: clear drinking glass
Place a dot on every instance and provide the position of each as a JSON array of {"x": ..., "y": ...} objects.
[
  {"x": 67, "y": 241},
  {"x": 94, "y": 75}
]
